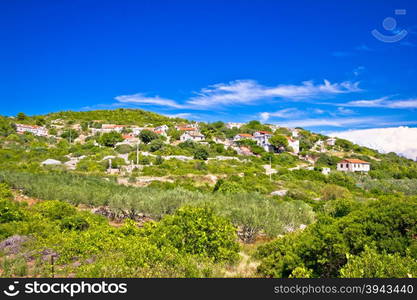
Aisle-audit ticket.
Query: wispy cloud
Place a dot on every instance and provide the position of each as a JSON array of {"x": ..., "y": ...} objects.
[
  {"x": 332, "y": 122},
  {"x": 104, "y": 106},
  {"x": 319, "y": 111},
  {"x": 352, "y": 52},
  {"x": 142, "y": 99},
  {"x": 249, "y": 91},
  {"x": 344, "y": 111},
  {"x": 244, "y": 92},
  {"x": 180, "y": 115},
  {"x": 358, "y": 70},
  {"x": 383, "y": 102},
  {"x": 286, "y": 113}
]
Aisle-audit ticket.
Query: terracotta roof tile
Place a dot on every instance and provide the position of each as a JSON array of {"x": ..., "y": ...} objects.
[{"x": 355, "y": 161}]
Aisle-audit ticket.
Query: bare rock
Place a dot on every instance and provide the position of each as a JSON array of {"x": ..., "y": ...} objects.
[
  {"x": 48, "y": 253},
  {"x": 13, "y": 244}
]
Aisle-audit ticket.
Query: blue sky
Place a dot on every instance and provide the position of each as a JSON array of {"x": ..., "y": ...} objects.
[{"x": 313, "y": 64}]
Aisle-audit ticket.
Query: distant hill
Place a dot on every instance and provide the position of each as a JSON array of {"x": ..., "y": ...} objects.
[{"x": 118, "y": 116}]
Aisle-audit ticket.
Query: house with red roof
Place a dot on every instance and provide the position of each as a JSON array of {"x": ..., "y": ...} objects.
[
  {"x": 36, "y": 130},
  {"x": 106, "y": 128},
  {"x": 353, "y": 165},
  {"x": 192, "y": 136},
  {"x": 242, "y": 136}
]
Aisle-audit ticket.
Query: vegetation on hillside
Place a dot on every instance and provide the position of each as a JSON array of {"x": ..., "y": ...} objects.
[{"x": 186, "y": 208}]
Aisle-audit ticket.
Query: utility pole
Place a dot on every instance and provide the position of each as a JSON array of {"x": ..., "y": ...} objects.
[
  {"x": 52, "y": 266},
  {"x": 270, "y": 168},
  {"x": 137, "y": 153}
]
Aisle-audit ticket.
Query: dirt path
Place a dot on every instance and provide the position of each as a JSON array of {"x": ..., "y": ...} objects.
[
  {"x": 245, "y": 268},
  {"x": 19, "y": 197}
]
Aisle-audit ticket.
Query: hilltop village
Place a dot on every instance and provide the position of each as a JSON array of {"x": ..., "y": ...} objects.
[
  {"x": 274, "y": 140},
  {"x": 126, "y": 192}
]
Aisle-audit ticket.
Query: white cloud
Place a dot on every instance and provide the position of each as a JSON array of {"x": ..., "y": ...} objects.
[
  {"x": 365, "y": 103},
  {"x": 330, "y": 122},
  {"x": 358, "y": 71},
  {"x": 318, "y": 111},
  {"x": 401, "y": 140},
  {"x": 245, "y": 92},
  {"x": 410, "y": 103},
  {"x": 142, "y": 99},
  {"x": 384, "y": 103},
  {"x": 249, "y": 91},
  {"x": 285, "y": 113},
  {"x": 180, "y": 115},
  {"x": 344, "y": 111}
]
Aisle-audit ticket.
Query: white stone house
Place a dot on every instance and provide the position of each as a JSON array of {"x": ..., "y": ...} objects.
[
  {"x": 185, "y": 127},
  {"x": 331, "y": 141},
  {"x": 325, "y": 171},
  {"x": 106, "y": 128},
  {"x": 242, "y": 136},
  {"x": 353, "y": 165},
  {"x": 160, "y": 132},
  {"x": 262, "y": 139},
  {"x": 36, "y": 130},
  {"x": 274, "y": 127},
  {"x": 294, "y": 144},
  {"x": 231, "y": 125},
  {"x": 162, "y": 128},
  {"x": 191, "y": 136},
  {"x": 129, "y": 140},
  {"x": 295, "y": 133},
  {"x": 136, "y": 130}
]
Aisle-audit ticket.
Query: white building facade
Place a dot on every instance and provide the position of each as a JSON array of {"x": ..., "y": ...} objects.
[
  {"x": 262, "y": 139},
  {"x": 36, "y": 130},
  {"x": 353, "y": 165},
  {"x": 191, "y": 136},
  {"x": 294, "y": 144}
]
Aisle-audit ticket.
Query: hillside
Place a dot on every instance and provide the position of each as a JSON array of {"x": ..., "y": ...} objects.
[{"x": 288, "y": 198}]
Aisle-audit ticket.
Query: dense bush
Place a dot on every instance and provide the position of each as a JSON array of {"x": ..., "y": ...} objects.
[
  {"x": 55, "y": 210},
  {"x": 371, "y": 264},
  {"x": 197, "y": 230},
  {"x": 10, "y": 211},
  {"x": 124, "y": 148},
  {"x": 86, "y": 246},
  {"x": 388, "y": 224},
  {"x": 147, "y": 136},
  {"x": 76, "y": 222},
  {"x": 110, "y": 139}
]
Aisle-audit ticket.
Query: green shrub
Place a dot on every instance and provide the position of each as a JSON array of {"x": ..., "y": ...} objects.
[
  {"x": 10, "y": 211},
  {"x": 334, "y": 192},
  {"x": 124, "y": 148},
  {"x": 371, "y": 264},
  {"x": 75, "y": 222},
  {"x": 55, "y": 210},
  {"x": 5, "y": 192},
  {"x": 388, "y": 224},
  {"x": 197, "y": 231},
  {"x": 201, "y": 153}
]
